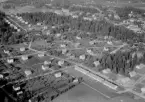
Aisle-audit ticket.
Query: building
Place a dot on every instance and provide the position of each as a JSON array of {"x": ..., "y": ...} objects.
[
  {"x": 1, "y": 76},
  {"x": 41, "y": 55},
  {"x": 96, "y": 63},
  {"x": 58, "y": 74},
  {"x": 38, "y": 24},
  {"x": 24, "y": 57},
  {"x": 62, "y": 45},
  {"x": 64, "y": 51},
  {"x": 22, "y": 49},
  {"x": 46, "y": 62},
  {"x": 60, "y": 63},
  {"x": 10, "y": 60},
  {"x": 132, "y": 73},
  {"x": 44, "y": 67},
  {"x": 109, "y": 42},
  {"x": 58, "y": 34},
  {"x": 82, "y": 57},
  {"x": 140, "y": 66},
  {"x": 27, "y": 73},
  {"x": 48, "y": 32},
  {"x": 75, "y": 80},
  {"x": 78, "y": 38},
  {"x": 6, "y": 51},
  {"x": 143, "y": 89},
  {"x": 106, "y": 49},
  {"x": 106, "y": 71},
  {"x": 16, "y": 87}
]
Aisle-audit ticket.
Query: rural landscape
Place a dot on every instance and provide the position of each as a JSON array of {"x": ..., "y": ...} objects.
[{"x": 72, "y": 50}]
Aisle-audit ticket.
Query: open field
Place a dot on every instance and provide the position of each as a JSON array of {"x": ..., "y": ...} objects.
[{"x": 83, "y": 93}]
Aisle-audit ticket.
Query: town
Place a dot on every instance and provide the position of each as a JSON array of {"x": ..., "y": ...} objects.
[{"x": 48, "y": 55}]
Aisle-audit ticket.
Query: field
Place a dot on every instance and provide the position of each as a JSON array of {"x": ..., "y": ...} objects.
[{"x": 83, "y": 93}]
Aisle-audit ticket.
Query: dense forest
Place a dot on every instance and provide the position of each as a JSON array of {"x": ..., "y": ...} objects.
[{"x": 122, "y": 62}]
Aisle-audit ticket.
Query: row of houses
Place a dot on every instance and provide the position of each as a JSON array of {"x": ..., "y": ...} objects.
[{"x": 12, "y": 25}]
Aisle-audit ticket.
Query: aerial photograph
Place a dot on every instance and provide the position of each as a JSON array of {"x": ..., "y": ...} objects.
[{"x": 72, "y": 50}]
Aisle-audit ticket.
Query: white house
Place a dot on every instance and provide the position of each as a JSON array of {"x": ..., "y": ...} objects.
[
  {"x": 24, "y": 57},
  {"x": 16, "y": 88},
  {"x": 6, "y": 51},
  {"x": 143, "y": 89},
  {"x": 1, "y": 76},
  {"x": 46, "y": 62},
  {"x": 57, "y": 75},
  {"x": 106, "y": 71},
  {"x": 44, "y": 67},
  {"x": 132, "y": 73},
  {"x": 62, "y": 45},
  {"x": 78, "y": 38},
  {"x": 106, "y": 49},
  {"x": 82, "y": 57},
  {"x": 64, "y": 51},
  {"x": 60, "y": 62},
  {"x": 41, "y": 55},
  {"x": 109, "y": 42},
  {"x": 96, "y": 63},
  {"x": 10, "y": 60},
  {"x": 22, "y": 49},
  {"x": 27, "y": 73}
]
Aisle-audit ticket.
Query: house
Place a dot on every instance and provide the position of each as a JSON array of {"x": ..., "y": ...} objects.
[
  {"x": 27, "y": 73},
  {"x": 16, "y": 87},
  {"x": 22, "y": 49},
  {"x": 24, "y": 57},
  {"x": 82, "y": 57},
  {"x": 75, "y": 80},
  {"x": 60, "y": 63},
  {"x": 89, "y": 51},
  {"x": 10, "y": 60},
  {"x": 74, "y": 16},
  {"x": 44, "y": 67},
  {"x": 109, "y": 42},
  {"x": 64, "y": 51},
  {"x": 58, "y": 74},
  {"x": 48, "y": 32},
  {"x": 106, "y": 71},
  {"x": 19, "y": 93},
  {"x": 96, "y": 63},
  {"x": 46, "y": 62},
  {"x": 62, "y": 45},
  {"x": 132, "y": 73},
  {"x": 41, "y": 55},
  {"x": 29, "y": 25},
  {"x": 6, "y": 51},
  {"x": 106, "y": 49},
  {"x": 78, "y": 38},
  {"x": 143, "y": 89},
  {"x": 140, "y": 66},
  {"x": 26, "y": 22},
  {"x": 38, "y": 24},
  {"x": 58, "y": 35},
  {"x": 1, "y": 76}
]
